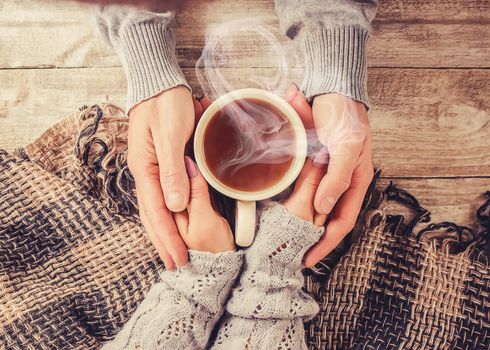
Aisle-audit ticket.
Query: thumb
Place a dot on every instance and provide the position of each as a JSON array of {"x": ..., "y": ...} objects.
[
  {"x": 308, "y": 180},
  {"x": 300, "y": 202},
  {"x": 199, "y": 201},
  {"x": 173, "y": 179}
]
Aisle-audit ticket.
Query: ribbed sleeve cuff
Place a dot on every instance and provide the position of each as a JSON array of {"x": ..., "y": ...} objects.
[
  {"x": 147, "y": 51},
  {"x": 335, "y": 62}
]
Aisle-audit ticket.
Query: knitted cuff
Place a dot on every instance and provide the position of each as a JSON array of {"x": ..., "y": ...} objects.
[
  {"x": 147, "y": 52},
  {"x": 283, "y": 237},
  {"x": 335, "y": 61},
  {"x": 207, "y": 278},
  {"x": 271, "y": 282}
]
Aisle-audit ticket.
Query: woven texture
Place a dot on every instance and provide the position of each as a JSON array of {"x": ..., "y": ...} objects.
[
  {"x": 396, "y": 288},
  {"x": 75, "y": 262}
]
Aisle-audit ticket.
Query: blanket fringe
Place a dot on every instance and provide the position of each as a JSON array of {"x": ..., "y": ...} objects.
[{"x": 102, "y": 147}]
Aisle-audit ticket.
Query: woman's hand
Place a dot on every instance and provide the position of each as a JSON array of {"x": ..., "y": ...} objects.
[
  {"x": 300, "y": 202},
  {"x": 200, "y": 226}
]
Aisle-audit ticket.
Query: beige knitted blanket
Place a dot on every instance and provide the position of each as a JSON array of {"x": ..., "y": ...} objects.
[{"x": 75, "y": 261}]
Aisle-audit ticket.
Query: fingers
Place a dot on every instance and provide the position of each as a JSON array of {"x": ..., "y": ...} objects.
[
  {"x": 200, "y": 202},
  {"x": 155, "y": 239},
  {"x": 198, "y": 110},
  {"x": 308, "y": 181},
  {"x": 172, "y": 178},
  {"x": 343, "y": 219},
  {"x": 159, "y": 219},
  {"x": 300, "y": 104},
  {"x": 171, "y": 129},
  {"x": 182, "y": 222},
  {"x": 338, "y": 178},
  {"x": 300, "y": 202},
  {"x": 205, "y": 102}
]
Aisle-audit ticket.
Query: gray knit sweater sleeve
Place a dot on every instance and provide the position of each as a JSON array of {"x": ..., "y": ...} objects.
[
  {"x": 180, "y": 311},
  {"x": 267, "y": 307},
  {"x": 145, "y": 44},
  {"x": 333, "y": 35}
]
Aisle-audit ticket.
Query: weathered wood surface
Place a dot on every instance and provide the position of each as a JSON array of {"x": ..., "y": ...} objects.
[
  {"x": 425, "y": 122},
  {"x": 61, "y": 34},
  {"x": 430, "y": 124},
  {"x": 465, "y": 11}
]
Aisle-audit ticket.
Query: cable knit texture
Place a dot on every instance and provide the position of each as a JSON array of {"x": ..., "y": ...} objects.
[
  {"x": 145, "y": 43},
  {"x": 333, "y": 35},
  {"x": 266, "y": 309},
  {"x": 180, "y": 311}
]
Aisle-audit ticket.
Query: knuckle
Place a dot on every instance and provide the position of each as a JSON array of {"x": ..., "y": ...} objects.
[
  {"x": 198, "y": 192},
  {"x": 150, "y": 212},
  {"x": 312, "y": 181},
  {"x": 341, "y": 184},
  {"x": 345, "y": 226},
  {"x": 168, "y": 175},
  {"x": 349, "y": 226}
]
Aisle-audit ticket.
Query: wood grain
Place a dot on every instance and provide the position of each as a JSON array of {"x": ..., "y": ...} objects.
[
  {"x": 430, "y": 126},
  {"x": 62, "y": 34},
  {"x": 467, "y": 11},
  {"x": 431, "y": 123}
]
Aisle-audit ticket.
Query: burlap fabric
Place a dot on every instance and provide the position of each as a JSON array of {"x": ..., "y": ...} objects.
[{"x": 75, "y": 261}]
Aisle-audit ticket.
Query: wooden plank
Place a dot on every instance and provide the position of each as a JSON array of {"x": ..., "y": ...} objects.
[
  {"x": 62, "y": 34},
  {"x": 435, "y": 10},
  {"x": 453, "y": 200},
  {"x": 431, "y": 122},
  {"x": 425, "y": 122},
  {"x": 32, "y": 100}
]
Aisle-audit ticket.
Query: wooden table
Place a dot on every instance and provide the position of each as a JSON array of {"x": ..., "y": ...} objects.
[{"x": 429, "y": 82}]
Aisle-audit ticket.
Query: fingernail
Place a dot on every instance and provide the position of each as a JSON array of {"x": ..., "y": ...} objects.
[
  {"x": 327, "y": 204},
  {"x": 321, "y": 158},
  {"x": 174, "y": 200},
  {"x": 190, "y": 167},
  {"x": 292, "y": 91}
]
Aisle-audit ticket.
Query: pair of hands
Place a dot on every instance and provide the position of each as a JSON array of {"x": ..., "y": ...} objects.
[
  {"x": 160, "y": 127},
  {"x": 204, "y": 229}
]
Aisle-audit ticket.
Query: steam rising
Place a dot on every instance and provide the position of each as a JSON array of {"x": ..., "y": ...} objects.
[
  {"x": 223, "y": 48},
  {"x": 254, "y": 123},
  {"x": 262, "y": 137}
]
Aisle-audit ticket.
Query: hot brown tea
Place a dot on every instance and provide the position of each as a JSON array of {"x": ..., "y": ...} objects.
[{"x": 249, "y": 145}]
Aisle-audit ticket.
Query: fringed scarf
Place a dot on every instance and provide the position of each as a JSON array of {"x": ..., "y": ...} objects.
[{"x": 75, "y": 261}]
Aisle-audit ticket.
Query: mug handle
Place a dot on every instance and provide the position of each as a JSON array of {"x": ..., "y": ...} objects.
[{"x": 245, "y": 223}]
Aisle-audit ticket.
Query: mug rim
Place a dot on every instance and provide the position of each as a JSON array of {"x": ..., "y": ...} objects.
[{"x": 298, "y": 128}]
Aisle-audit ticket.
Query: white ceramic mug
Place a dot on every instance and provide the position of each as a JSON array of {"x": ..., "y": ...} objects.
[{"x": 246, "y": 200}]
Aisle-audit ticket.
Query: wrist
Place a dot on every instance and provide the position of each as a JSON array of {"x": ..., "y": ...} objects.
[
  {"x": 335, "y": 62},
  {"x": 146, "y": 46}
]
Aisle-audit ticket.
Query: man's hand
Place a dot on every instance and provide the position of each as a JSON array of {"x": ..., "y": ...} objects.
[
  {"x": 159, "y": 129},
  {"x": 341, "y": 125}
]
